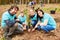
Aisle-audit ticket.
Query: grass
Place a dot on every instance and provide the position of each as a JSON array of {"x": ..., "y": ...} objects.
[{"x": 49, "y": 9}]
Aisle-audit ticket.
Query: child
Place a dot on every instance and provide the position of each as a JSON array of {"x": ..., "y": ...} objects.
[{"x": 22, "y": 19}]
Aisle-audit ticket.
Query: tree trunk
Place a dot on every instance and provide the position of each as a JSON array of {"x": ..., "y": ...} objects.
[
  {"x": 0, "y": 1},
  {"x": 48, "y": 1}
]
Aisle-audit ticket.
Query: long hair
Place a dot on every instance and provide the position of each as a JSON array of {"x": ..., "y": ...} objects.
[{"x": 38, "y": 17}]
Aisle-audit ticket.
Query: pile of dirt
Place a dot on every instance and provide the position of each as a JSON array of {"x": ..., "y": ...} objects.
[{"x": 39, "y": 35}]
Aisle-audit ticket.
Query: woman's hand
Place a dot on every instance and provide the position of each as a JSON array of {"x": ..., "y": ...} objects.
[{"x": 33, "y": 29}]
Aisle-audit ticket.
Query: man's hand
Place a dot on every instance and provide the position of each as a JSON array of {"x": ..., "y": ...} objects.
[
  {"x": 23, "y": 24},
  {"x": 17, "y": 20}
]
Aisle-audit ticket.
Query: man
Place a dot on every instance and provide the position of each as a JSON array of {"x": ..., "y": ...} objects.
[{"x": 9, "y": 22}]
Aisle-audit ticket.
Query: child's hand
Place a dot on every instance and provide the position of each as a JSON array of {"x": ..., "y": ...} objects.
[{"x": 29, "y": 30}]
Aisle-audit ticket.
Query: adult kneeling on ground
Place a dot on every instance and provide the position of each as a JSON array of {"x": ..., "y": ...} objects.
[{"x": 9, "y": 22}]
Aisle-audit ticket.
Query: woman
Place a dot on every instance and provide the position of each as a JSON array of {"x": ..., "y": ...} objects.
[{"x": 45, "y": 22}]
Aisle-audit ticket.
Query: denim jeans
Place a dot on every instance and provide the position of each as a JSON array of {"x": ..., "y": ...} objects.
[
  {"x": 34, "y": 22},
  {"x": 46, "y": 28}
]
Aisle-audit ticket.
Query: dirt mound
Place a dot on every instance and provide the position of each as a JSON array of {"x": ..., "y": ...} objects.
[{"x": 39, "y": 35}]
